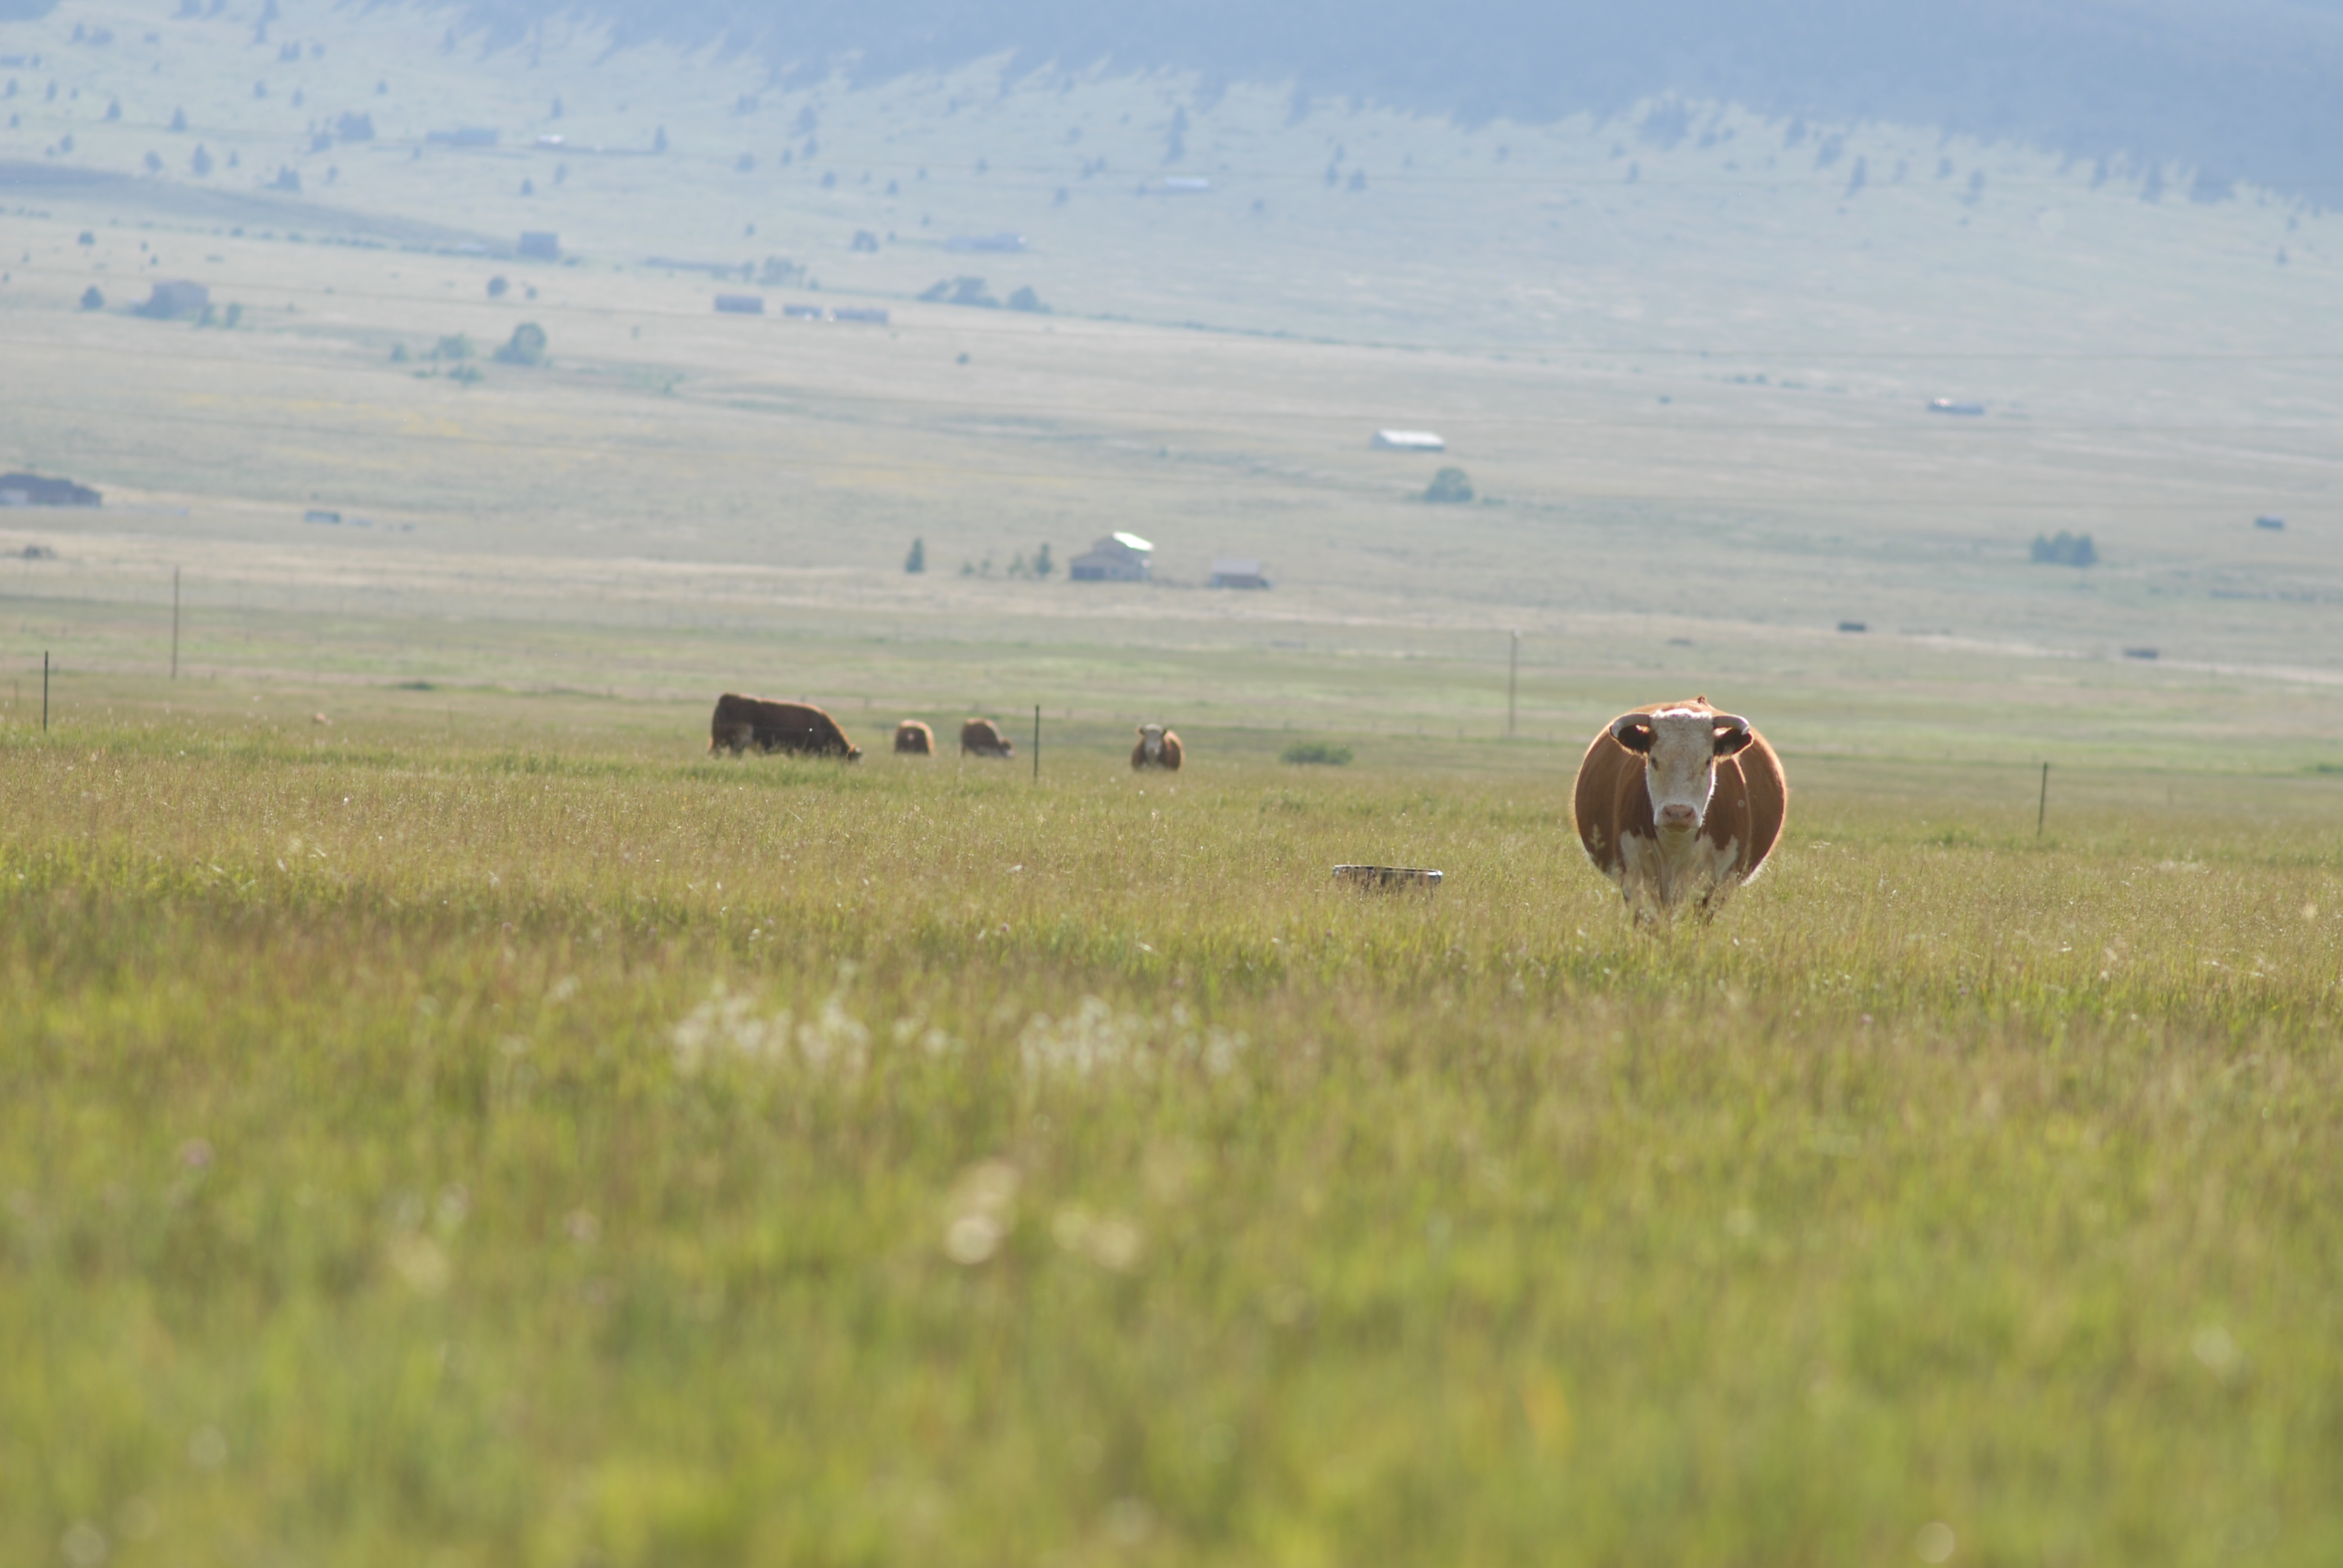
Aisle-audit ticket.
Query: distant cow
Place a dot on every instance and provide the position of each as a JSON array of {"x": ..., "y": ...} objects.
[
  {"x": 1157, "y": 748},
  {"x": 741, "y": 722},
  {"x": 1678, "y": 803},
  {"x": 982, "y": 738},
  {"x": 913, "y": 738}
]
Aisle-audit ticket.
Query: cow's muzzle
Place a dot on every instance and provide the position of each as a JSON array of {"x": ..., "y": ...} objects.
[{"x": 1678, "y": 818}]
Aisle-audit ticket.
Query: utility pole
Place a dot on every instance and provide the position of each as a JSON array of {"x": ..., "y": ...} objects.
[
  {"x": 1513, "y": 683},
  {"x": 174, "y": 623},
  {"x": 2042, "y": 811}
]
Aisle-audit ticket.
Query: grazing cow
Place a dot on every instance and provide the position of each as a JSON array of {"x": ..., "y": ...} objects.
[
  {"x": 1679, "y": 803},
  {"x": 982, "y": 738},
  {"x": 1157, "y": 748},
  {"x": 741, "y": 722},
  {"x": 913, "y": 738}
]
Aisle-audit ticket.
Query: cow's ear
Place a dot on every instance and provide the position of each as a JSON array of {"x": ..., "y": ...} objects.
[
  {"x": 1634, "y": 731},
  {"x": 1733, "y": 735}
]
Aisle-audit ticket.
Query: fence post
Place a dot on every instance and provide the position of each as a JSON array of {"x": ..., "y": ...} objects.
[
  {"x": 1037, "y": 743},
  {"x": 45, "y": 691},
  {"x": 2042, "y": 811},
  {"x": 174, "y": 623},
  {"x": 1513, "y": 683}
]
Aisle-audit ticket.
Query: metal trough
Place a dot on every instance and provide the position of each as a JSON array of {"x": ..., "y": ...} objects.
[{"x": 1386, "y": 878}]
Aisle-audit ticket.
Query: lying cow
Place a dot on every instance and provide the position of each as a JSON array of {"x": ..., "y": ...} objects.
[
  {"x": 1157, "y": 748},
  {"x": 1678, "y": 803},
  {"x": 913, "y": 738},
  {"x": 741, "y": 722},
  {"x": 982, "y": 738}
]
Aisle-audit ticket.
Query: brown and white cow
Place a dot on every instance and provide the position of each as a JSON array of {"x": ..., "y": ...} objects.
[
  {"x": 1678, "y": 803},
  {"x": 982, "y": 738},
  {"x": 741, "y": 722},
  {"x": 1157, "y": 748},
  {"x": 913, "y": 738}
]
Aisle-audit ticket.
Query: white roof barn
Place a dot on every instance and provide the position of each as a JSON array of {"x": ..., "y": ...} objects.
[
  {"x": 1237, "y": 572},
  {"x": 1407, "y": 441}
]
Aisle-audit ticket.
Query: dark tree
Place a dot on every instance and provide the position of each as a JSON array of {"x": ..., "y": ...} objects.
[
  {"x": 528, "y": 346},
  {"x": 1450, "y": 486}
]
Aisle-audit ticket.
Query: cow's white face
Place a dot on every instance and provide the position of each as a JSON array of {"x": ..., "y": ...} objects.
[
  {"x": 1680, "y": 747},
  {"x": 1151, "y": 737}
]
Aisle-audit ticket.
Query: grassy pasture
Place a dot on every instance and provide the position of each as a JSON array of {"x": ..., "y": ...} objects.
[
  {"x": 417, "y": 1150},
  {"x": 479, "y": 1130}
]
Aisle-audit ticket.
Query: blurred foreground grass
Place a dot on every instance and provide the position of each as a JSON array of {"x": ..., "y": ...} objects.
[{"x": 415, "y": 1154}]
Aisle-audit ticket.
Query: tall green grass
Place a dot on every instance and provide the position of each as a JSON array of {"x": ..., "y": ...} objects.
[{"x": 413, "y": 1154}]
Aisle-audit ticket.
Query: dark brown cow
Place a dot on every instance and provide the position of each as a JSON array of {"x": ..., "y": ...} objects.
[
  {"x": 913, "y": 738},
  {"x": 741, "y": 722},
  {"x": 1678, "y": 803},
  {"x": 982, "y": 738},
  {"x": 1157, "y": 748}
]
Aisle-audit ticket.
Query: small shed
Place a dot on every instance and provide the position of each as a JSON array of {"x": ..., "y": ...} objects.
[
  {"x": 1236, "y": 572},
  {"x": 32, "y": 490},
  {"x": 1117, "y": 559},
  {"x": 1407, "y": 441},
  {"x": 2270, "y": 521},
  {"x": 538, "y": 245},
  {"x": 740, "y": 304},
  {"x": 804, "y": 312},
  {"x": 871, "y": 315}
]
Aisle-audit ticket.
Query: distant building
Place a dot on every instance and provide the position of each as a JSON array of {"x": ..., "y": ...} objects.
[
  {"x": 713, "y": 269},
  {"x": 1954, "y": 406},
  {"x": 538, "y": 245},
  {"x": 1003, "y": 241},
  {"x": 1185, "y": 185},
  {"x": 318, "y": 514},
  {"x": 173, "y": 297},
  {"x": 1407, "y": 441},
  {"x": 1116, "y": 559},
  {"x": 2266, "y": 522},
  {"x": 740, "y": 304},
  {"x": 871, "y": 315},
  {"x": 463, "y": 136},
  {"x": 1236, "y": 572},
  {"x": 32, "y": 490},
  {"x": 804, "y": 312}
]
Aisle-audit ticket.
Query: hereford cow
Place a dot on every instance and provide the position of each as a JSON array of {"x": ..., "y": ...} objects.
[
  {"x": 1678, "y": 803},
  {"x": 741, "y": 722},
  {"x": 913, "y": 738},
  {"x": 1157, "y": 748},
  {"x": 982, "y": 738}
]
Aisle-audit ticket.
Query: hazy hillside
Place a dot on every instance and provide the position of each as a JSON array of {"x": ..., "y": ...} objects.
[
  {"x": 1691, "y": 329},
  {"x": 2241, "y": 88}
]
